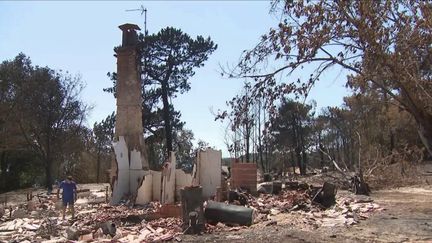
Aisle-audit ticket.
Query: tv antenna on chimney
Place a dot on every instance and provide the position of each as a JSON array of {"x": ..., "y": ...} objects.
[{"x": 143, "y": 11}]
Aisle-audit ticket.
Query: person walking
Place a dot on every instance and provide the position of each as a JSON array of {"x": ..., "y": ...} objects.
[{"x": 69, "y": 195}]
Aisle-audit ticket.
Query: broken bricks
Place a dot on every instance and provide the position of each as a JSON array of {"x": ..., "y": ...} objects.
[
  {"x": 108, "y": 228},
  {"x": 135, "y": 223},
  {"x": 274, "y": 187},
  {"x": 72, "y": 233}
]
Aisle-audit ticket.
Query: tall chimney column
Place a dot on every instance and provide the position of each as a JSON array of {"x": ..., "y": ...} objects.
[
  {"x": 130, "y": 165},
  {"x": 129, "y": 101}
]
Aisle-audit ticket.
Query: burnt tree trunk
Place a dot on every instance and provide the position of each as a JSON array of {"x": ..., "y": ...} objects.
[
  {"x": 299, "y": 160},
  {"x": 48, "y": 175},
  {"x": 421, "y": 116},
  {"x": 98, "y": 167},
  {"x": 304, "y": 156},
  {"x": 321, "y": 148},
  {"x": 166, "y": 117},
  {"x": 3, "y": 168},
  {"x": 260, "y": 150},
  {"x": 48, "y": 162},
  {"x": 424, "y": 127},
  {"x": 292, "y": 162},
  {"x": 304, "y": 162},
  {"x": 247, "y": 142}
]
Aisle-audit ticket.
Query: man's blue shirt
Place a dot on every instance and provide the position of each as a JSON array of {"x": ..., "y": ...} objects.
[{"x": 68, "y": 190}]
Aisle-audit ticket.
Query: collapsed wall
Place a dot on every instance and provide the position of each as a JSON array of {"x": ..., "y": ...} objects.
[
  {"x": 130, "y": 165},
  {"x": 166, "y": 184}
]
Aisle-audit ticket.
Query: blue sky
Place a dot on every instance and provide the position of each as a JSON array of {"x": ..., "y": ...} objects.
[{"x": 79, "y": 37}]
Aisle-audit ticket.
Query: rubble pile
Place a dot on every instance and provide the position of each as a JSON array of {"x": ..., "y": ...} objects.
[
  {"x": 38, "y": 220},
  {"x": 347, "y": 211},
  {"x": 283, "y": 202},
  {"x": 221, "y": 227}
]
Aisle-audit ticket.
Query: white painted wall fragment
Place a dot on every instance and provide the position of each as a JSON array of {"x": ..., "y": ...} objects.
[
  {"x": 121, "y": 183},
  {"x": 145, "y": 191},
  {"x": 182, "y": 179},
  {"x": 120, "y": 187},
  {"x": 135, "y": 178},
  {"x": 135, "y": 160},
  {"x": 121, "y": 152},
  {"x": 129, "y": 172},
  {"x": 209, "y": 164},
  {"x": 156, "y": 185}
]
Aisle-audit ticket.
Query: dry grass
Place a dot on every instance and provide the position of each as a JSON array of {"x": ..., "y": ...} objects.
[{"x": 396, "y": 175}]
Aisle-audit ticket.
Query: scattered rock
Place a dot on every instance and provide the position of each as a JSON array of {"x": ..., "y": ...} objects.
[
  {"x": 274, "y": 211},
  {"x": 101, "y": 222},
  {"x": 72, "y": 233},
  {"x": 265, "y": 188},
  {"x": 108, "y": 228},
  {"x": 86, "y": 237},
  {"x": 273, "y": 222},
  {"x": 19, "y": 213}
]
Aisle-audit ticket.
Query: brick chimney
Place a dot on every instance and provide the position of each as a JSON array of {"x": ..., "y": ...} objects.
[
  {"x": 130, "y": 165},
  {"x": 129, "y": 99}
]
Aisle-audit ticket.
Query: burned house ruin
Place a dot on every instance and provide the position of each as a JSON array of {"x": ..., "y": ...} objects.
[
  {"x": 131, "y": 179},
  {"x": 130, "y": 165}
]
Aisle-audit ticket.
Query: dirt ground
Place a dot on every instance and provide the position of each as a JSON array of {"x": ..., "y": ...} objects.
[
  {"x": 19, "y": 196},
  {"x": 407, "y": 218}
]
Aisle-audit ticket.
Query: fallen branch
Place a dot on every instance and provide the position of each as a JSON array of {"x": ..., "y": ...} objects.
[{"x": 335, "y": 164}]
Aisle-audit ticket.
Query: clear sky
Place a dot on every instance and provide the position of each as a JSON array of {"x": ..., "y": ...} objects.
[{"x": 79, "y": 36}]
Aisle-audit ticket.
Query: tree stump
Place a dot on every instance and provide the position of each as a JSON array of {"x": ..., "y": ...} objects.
[{"x": 326, "y": 196}]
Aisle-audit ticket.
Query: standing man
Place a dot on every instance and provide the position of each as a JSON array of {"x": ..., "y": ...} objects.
[{"x": 69, "y": 195}]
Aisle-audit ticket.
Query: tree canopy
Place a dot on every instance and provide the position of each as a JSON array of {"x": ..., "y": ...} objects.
[
  {"x": 168, "y": 60},
  {"x": 385, "y": 46},
  {"x": 42, "y": 113}
]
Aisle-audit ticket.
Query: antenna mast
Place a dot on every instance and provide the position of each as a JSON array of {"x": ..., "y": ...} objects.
[{"x": 143, "y": 11}]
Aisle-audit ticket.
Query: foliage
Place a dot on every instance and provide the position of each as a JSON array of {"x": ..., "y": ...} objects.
[
  {"x": 385, "y": 45},
  {"x": 42, "y": 114},
  {"x": 169, "y": 59},
  {"x": 103, "y": 137},
  {"x": 291, "y": 131},
  {"x": 246, "y": 134}
]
